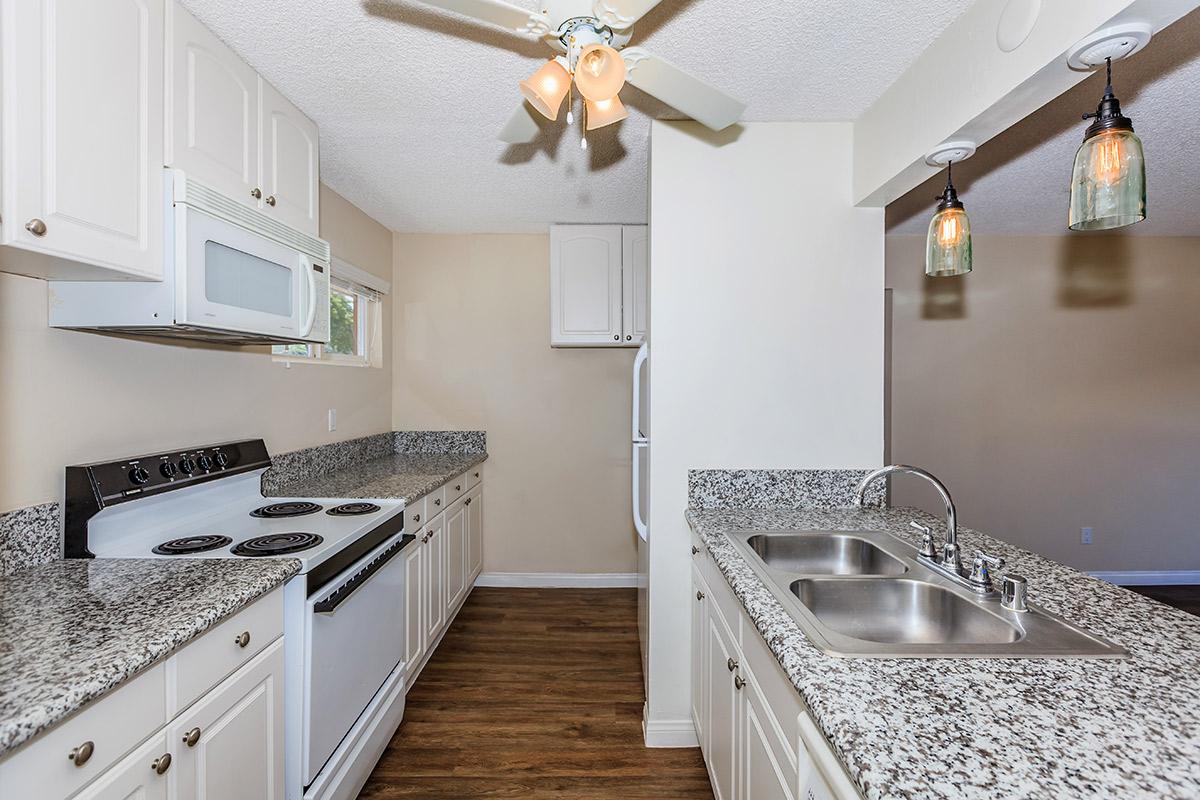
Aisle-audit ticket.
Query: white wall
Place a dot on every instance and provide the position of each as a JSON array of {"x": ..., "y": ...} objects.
[
  {"x": 68, "y": 397},
  {"x": 766, "y": 293}
]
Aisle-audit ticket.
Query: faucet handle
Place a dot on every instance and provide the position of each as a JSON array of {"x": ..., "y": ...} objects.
[
  {"x": 981, "y": 567},
  {"x": 927, "y": 548}
]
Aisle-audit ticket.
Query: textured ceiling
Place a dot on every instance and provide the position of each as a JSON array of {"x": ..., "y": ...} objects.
[
  {"x": 409, "y": 100},
  {"x": 1019, "y": 182}
]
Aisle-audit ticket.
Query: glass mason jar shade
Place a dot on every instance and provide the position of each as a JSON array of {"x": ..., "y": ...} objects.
[
  {"x": 948, "y": 245},
  {"x": 1108, "y": 184}
]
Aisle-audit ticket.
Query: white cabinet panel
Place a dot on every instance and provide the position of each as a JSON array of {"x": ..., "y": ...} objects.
[
  {"x": 414, "y": 602},
  {"x": 699, "y": 655},
  {"x": 455, "y": 554},
  {"x": 435, "y": 585},
  {"x": 83, "y": 150},
  {"x": 229, "y": 745},
  {"x": 213, "y": 121},
  {"x": 585, "y": 285},
  {"x": 290, "y": 165},
  {"x": 474, "y": 503},
  {"x": 137, "y": 777},
  {"x": 721, "y": 701},
  {"x": 635, "y": 283},
  {"x": 766, "y": 773}
]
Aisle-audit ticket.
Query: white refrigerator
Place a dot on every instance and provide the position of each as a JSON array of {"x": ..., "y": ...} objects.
[{"x": 641, "y": 493}]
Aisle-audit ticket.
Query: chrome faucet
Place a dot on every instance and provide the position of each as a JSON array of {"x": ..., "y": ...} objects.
[{"x": 950, "y": 559}]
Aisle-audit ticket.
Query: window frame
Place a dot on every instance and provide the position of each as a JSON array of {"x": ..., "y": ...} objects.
[{"x": 368, "y": 310}]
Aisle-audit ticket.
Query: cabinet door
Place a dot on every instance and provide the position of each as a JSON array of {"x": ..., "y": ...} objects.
[
  {"x": 635, "y": 283},
  {"x": 414, "y": 602},
  {"x": 699, "y": 659},
  {"x": 455, "y": 554},
  {"x": 585, "y": 285},
  {"x": 290, "y": 168},
  {"x": 474, "y": 533},
  {"x": 229, "y": 745},
  {"x": 212, "y": 118},
  {"x": 721, "y": 703},
  {"x": 83, "y": 88},
  {"x": 765, "y": 771},
  {"x": 136, "y": 777},
  {"x": 435, "y": 587}
]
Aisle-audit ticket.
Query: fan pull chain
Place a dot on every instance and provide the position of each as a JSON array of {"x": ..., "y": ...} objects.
[{"x": 570, "y": 105}]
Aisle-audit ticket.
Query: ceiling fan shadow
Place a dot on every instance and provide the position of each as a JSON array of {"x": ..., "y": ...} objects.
[
  {"x": 450, "y": 25},
  {"x": 548, "y": 140}
]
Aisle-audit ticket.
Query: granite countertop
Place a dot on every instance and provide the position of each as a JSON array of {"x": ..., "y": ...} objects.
[
  {"x": 72, "y": 630},
  {"x": 404, "y": 476},
  {"x": 993, "y": 728}
]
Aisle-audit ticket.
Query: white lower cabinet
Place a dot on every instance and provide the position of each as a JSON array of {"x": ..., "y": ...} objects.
[
  {"x": 137, "y": 776},
  {"x": 414, "y": 600},
  {"x": 758, "y": 739},
  {"x": 434, "y": 578},
  {"x": 456, "y": 553},
  {"x": 474, "y": 501}
]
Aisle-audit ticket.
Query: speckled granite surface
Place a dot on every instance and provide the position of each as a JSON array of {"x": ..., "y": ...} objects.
[
  {"x": 71, "y": 630},
  {"x": 440, "y": 441},
  {"x": 779, "y": 488},
  {"x": 28, "y": 537},
  {"x": 312, "y": 462},
  {"x": 404, "y": 476},
  {"x": 993, "y": 728}
]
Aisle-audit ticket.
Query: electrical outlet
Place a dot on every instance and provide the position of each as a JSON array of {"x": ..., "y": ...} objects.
[
  {"x": 332, "y": 420},
  {"x": 1085, "y": 535}
]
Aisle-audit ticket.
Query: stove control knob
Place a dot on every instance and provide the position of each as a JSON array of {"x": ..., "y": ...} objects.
[
  {"x": 206, "y": 463},
  {"x": 139, "y": 475},
  {"x": 187, "y": 466},
  {"x": 222, "y": 460},
  {"x": 168, "y": 469}
]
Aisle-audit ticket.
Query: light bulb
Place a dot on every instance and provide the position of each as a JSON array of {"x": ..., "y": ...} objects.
[
  {"x": 1108, "y": 159},
  {"x": 950, "y": 229}
]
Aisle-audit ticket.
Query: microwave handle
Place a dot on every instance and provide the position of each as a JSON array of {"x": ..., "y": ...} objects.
[{"x": 312, "y": 298}]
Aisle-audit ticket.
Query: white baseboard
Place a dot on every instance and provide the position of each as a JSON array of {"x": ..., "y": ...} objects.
[
  {"x": 1169, "y": 577},
  {"x": 669, "y": 733},
  {"x": 559, "y": 580}
]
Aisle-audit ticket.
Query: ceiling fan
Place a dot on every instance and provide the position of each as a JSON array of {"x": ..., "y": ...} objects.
[{"x": 591, "y": 37}]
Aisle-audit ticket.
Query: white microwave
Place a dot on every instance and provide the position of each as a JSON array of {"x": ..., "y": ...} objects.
[{"x": 231, "y": 274}]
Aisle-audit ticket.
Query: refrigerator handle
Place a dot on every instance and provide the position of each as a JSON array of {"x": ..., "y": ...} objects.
[
  {"x": 638, "y": 522},
  {"x": 642, "y": 354}
]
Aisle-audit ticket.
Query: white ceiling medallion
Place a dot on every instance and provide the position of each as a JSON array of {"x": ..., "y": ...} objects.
[
  {"x": 947, "y": 152},
  {"x": 1117, "y": 42},
  {"x": 1017, "y": 21}
]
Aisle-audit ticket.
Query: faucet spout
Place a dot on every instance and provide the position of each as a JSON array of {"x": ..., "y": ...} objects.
[{"x": 951, "y": 558}]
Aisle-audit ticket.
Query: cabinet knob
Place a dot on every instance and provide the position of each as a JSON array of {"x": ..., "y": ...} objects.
[
  {"x": 271, "y": 201},
  {"x": 458, "y": 487},
  {"x": 256, "y": 193},
  {"x": 425, "y": 538},
  {"x": 476, "y": 474},
  {"x": 738, "y": 682},
  {"x": 162, "y": 763},
  {"x": 36, "y": 227},
  {"x": 437, "y": 502},
  {"x": 617, "y": 338},
  {"x": 191, "y": 737},
  {"x": 628, "y": 338},
  {"x": 468, "y": 502},
  {"x": 699, "y": 595},
  {"x": 732, "y": 664},
  {"x": 80, "y": 755},
  {"x": 242, "y": 639},
  {"x": 695, "y": 550},
  {"x": 416, "y": 517}
]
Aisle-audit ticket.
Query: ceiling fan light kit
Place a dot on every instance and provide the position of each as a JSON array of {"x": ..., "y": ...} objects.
[
  {"x": 605, "y": 112},
  {"x": 546, "y": 88}
]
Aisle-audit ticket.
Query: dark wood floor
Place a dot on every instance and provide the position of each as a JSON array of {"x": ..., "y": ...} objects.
[
  {"x": 1186, "y": 598},
  {"x": 534, "y": 693}
]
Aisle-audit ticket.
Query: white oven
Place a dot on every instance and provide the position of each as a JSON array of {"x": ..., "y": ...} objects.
[{"x": 231, "y": 274}]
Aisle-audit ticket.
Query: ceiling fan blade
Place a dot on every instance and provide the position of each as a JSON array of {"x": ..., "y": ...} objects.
[
  {"x": 705, "y": 104},
  {"x": 522, "y": 127},
  {"x": 622, "y": 13},
  {"x": 497, "y": 12}
]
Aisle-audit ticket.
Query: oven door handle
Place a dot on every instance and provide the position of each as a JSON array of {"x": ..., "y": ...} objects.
[{"x": 340, "y": 595}]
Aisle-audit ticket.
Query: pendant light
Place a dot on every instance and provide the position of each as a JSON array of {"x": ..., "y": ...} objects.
[
  {"x": 948, "y": 243},
  {"x": 1108, "y": 184}
]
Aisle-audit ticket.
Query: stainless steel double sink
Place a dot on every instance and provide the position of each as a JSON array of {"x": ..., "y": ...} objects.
[{"x": 865, "y": 594}]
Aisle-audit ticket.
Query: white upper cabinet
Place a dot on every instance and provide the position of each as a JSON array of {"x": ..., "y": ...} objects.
[
  {"x": 82, "y": 138},
  {"x": 594, "y": 292},
  {"x": 290, "y": 169},
  {"x": 212, "y": 127},
  {"x": 230, "y": 129}
]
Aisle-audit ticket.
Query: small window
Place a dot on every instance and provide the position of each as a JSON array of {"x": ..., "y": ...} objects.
[{"x": 355, "y": 330}]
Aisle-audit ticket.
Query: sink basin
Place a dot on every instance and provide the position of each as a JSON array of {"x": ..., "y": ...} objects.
[
  {"x": 900, "y": 611},
  {"x": 825, "y": 554},
  {"x": 866, "y": 594}
]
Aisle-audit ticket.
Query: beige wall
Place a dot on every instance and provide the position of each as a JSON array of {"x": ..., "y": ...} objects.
[
  {"x": 472, "y": 351},
  {"x": 1056, "y": 387},
  {"x": 68, "y": 397}
]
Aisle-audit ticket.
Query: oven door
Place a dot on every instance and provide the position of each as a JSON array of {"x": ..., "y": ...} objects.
[
  {"x": 355, "y": 639},
  {"x": 231, "y": 279}
]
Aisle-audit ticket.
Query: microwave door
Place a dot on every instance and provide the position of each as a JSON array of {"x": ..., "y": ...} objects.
[{"x": 231, "y": 279}]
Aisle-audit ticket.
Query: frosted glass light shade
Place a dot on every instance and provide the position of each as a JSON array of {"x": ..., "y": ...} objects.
[
  {"x": 1108, "y": 184},
  {"x": 546, "y": 88},
  {"x": 948, "y": 245},
  {"x": 605, "y": 112},
  {"x": 600, "y": 72}
]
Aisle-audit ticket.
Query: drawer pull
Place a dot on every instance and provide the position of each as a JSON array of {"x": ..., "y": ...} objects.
[
  {"x": 695, "y": 550},
  {"x": 271, "y": 201},
  {"x": 437, "y": 502},
  {"x": 416, "y": 518},
  {"x": 476, "y": 474},
  {"x": 242, "y": 639},
  {"x": 458, "y": 487},
  {"x": 732, "y": 664},
  {"x": 80, "y": 755},
  {"x": 36, "y": 227},
  {"x": 738, "y": 682},
  {"x": 162, "y": 763},
  {"x": 699, "y": 595},
  {"x": 468, "y": 502},
  {"x": 256, "y": 193},
  {"x": 191, "y": 737}
]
